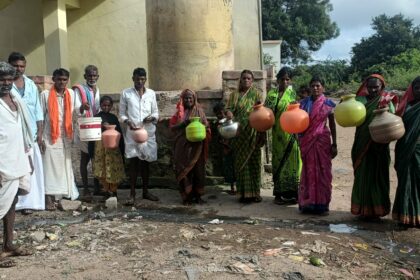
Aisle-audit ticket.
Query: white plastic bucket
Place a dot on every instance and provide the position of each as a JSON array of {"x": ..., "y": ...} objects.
[{"x": 90, "y": 129}]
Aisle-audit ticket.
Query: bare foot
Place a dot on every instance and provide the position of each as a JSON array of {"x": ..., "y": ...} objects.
[
  {"x": 50, "y": 203},
  {"x": 15, "y": 252}
]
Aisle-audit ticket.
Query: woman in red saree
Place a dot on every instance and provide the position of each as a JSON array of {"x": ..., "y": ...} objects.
[
  {"x": 189, "y": 158},
  {"x": 317, "y": 151}
]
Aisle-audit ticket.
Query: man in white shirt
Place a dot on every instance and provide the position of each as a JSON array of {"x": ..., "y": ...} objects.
[
  {"x": 88, "y": 95},
  {"x": 15, "y": 166},
  {"x": 138, "y": 108},
  {"x": 27, "y": 90}
]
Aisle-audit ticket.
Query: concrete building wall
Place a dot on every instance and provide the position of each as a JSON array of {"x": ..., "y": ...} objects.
[
  {"x": 110, "y": 35},
  {"x": 190, "y": 43},
  {"x": 273, "y": 49},
  {"x": 246, "y": 35},
  {"x": 22, "y": 30}
]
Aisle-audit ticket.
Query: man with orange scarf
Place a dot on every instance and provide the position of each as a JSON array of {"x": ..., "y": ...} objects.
[
  {"x": 371, "y": 160},
  {"x": 58, "y": 105}
]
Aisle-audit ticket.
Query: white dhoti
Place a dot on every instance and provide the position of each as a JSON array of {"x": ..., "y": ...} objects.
[
  {"x": 8, "y": 191},
  {"x": 35, "y": 199},
  {"x": 58, "y": 172},
  {"x": 145, "y": 151}
]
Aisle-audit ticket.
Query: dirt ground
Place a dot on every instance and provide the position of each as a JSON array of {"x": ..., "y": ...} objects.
[{"x": 221, "y": 239}]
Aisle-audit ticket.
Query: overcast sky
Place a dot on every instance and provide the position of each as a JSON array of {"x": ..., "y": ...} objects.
[{"x": 354, "y": 18}]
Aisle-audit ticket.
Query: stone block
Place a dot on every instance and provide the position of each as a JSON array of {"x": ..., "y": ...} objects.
[
  {"x": 38, "y": 236},
  {"x": 111, "y": 203},
  {"x": 69, "y": 205}
]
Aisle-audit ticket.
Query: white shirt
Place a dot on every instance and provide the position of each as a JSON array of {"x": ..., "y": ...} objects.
[
  {"x": 14, "y": 163},
  {"x": 136, "y": 108}
]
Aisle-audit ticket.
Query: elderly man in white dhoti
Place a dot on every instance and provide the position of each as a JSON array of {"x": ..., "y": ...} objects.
[
  {"x": 138, "y": 108},
  {"x": 15, "y": 165},
  {"x": 59, "y": 105},
  {"x": 88, "y": 95},
  {"x": 26, "y": 88}
]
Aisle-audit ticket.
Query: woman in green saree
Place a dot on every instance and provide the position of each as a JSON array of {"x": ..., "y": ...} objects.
[
  {"x": 371, "y": 160},
  {"x": 247, "y": 145},
  {"x": 406, "y": 208},
  {"x": 286, "y": 161}
]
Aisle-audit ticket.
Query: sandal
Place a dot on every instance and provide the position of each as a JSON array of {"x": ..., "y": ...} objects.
[
  {"x": 7, "y": 264},
  {"x": 27, "y": 212},
  {"x": 150, "y": 196},
  {"x": 280, "y": 200}
]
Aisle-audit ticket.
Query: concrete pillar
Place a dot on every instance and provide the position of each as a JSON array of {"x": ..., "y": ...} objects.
[
  {"x": 189, "y": 43},
  {"x": 55, "y": 34},
  {"x": 5, "y": 3}
]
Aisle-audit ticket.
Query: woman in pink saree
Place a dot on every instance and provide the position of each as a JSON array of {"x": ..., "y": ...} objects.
[{"x": 317, "y": 151}]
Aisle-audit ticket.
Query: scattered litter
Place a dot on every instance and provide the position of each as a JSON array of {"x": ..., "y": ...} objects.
[
  {"x": 296, "y": 258},
  {"x": 51, "y": 236},
  {"x": 341, "y": 228},
  {"x": 292, "y": 276},
  {"x": 187, "y": 234},
  {"x": 406, "y": 272},
  {"x": 378, "y": 246},
  {"x": 74, "y": 243},
  {"x": 218, "y": 229},
  {"x": 319, "y": 247},
  {"x": 38, "y": 236},
  {"x": 76, "y": 213},
  {"x": 334, "y": 237},
  {"x": 406, "y": 250},
  {"x": 289, "y": 243},
  {"x": 309, "y": 233},
  {"x": 99, "y": 215},
  {"x": 241, "y": 268},
  {"x": 361, "y": 246},
  {"x": 251, "y": 222},
  {"x": 316, "y": 261},
  {"x": 216, "y": 222},
  {"x": 305, "y": 252},
  {"x": 137, "y": 218},
  {"x": 246, "y": 258},
  {"x": 41, "y": 247},
  {"x": 272, "y": 252}
]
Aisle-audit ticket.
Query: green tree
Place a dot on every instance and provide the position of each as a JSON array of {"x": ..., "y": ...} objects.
[
  {"x": 302, "y": 25},
  {"x": 334, "y": 72},
  {"x": 393, "y": 35},
  {"x": 400, "y": 70}
]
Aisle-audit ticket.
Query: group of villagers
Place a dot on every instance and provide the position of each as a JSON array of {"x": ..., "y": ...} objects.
[{"x": 302, "y": 163}]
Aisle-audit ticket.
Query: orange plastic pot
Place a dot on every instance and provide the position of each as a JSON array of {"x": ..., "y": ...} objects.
[
  {"x": 110, "y": 137},
  {"x": 262, "y": 118},
  {"x": 140, "y": 135},
  {"x": 294, "y": 120}
]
